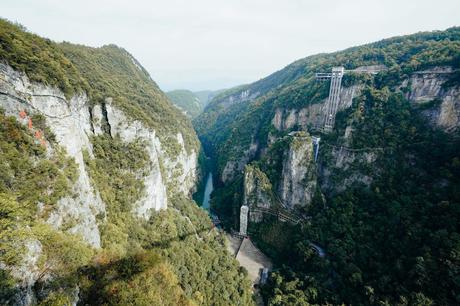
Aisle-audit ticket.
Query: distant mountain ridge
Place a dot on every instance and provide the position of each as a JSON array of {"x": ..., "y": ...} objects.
[{"x": 192, "y": 103}]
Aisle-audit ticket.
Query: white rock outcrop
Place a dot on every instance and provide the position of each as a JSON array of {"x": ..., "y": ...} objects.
[
  {"x": 233, "y": 167},
  {"x": 180, "y": 171},
  {"x": 155, "y": 197},
  {"x": 238, "y": 97},
  {"x": 73, "y": 121},
  {"x": 298, "y": 178},
  {"x": 258, "y": 192},
  {"x": 427, "y": 86},
  {"x": 27, "y": 271},
  {"x": 311, "y": 115},
  {"x": 70, "y": 122},
  {"x": 357, "y": 164}
]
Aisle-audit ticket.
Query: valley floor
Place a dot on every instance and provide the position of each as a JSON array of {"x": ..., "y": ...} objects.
[{"x": 249, "y": 257}]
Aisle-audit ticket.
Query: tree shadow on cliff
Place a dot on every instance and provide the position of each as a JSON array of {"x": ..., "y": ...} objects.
[
  {"x": 8, "y": 290},
  {"x": 97, "y": 282}
]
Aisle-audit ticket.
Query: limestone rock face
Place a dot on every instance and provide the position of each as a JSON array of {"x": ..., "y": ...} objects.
[
  {"x": 311, "y": 115},
  {"x": 427, "y": 86},
  {"x": 257, "y": 192},
  {"x": 345, "y": 161},
  {"x": 233, "y": 167},
  {"x": 284, "y": 120},
  {"x": 425, "y": 89},
  {"x": 98, "y": 119},
  {"x": 298, "y": 178},
  {"x": 179, "y": 171},
  {"x": 182, "y": 171},
  {"x": 27, "y": 271},
  {"x": 70, "y": 122},
  {"x": 155, "y": 190},
  {"x": 238, "y": 97},
  {"x": 73, "y": 121}
]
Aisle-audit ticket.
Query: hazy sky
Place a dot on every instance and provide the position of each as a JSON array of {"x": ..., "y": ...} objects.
[{"x": 212, "y": 44}]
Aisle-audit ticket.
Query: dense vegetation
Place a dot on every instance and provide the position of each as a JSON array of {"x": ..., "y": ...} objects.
[
  {"x": 192, "y": 103},
  {"x": 108, "y": 71},
  {"x": 187, "y": 101},
  {"x": 395, "y": 241},
  {"x": 206, "y": 96},
  {"x": 176, "y": 257},
  {"x": 31, "y": 182},
  {"x": 180, "y": 243},
  {"x": 40, "y": 58},
  {"x": 226, "y": 128},
  {"x": 112, "y": 72}
]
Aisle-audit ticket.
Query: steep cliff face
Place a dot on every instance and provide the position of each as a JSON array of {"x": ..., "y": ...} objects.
[
  {"x": 293, "y": 180},
  {"x": 234, "y": 167},
  {"x": 70, "y": 122},
  {"x": 345, "y": 168},
  {"x": 97, "y": 171},
  {"x": 390, "y": 159},
  {"x": 442, "y": 103},
  {"x": 283, "y": 120},
  {"x": 178, "y": 171},
  {"x": 313, "y": 114},
  {"x": 239, "y": 97},
  {"x": 74, "y": 122},
  {"x": 298, "y": 178},
  {"x": 342, "y": 166},
  {"x": 258, "y": 192}
]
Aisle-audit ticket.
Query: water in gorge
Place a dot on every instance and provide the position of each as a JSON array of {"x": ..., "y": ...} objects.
[{"x": 207, "y": 192}]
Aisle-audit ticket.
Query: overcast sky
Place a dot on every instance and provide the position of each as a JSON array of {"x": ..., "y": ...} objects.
[{"x": 212, "y": 44}]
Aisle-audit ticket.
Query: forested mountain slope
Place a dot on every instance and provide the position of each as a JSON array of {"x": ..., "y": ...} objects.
[
  {"x": 96, "y": 173},
  {"x": 382, "y": 197},
  {"x": 191, "y": 103},
  {"x": 230, "y": 114},
  {"x": 187, "y": 101},
  {"x": 206, "y": 96}
]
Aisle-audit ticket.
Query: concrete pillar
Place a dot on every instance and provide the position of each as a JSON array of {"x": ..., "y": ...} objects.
[{"x": 244, "y": 220}]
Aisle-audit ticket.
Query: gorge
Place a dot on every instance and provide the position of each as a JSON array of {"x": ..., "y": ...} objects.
[{"x": 101, "y": 177}]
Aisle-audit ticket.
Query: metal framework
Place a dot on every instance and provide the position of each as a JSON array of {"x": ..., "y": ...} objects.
[{"x": 332, "y": 104}]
